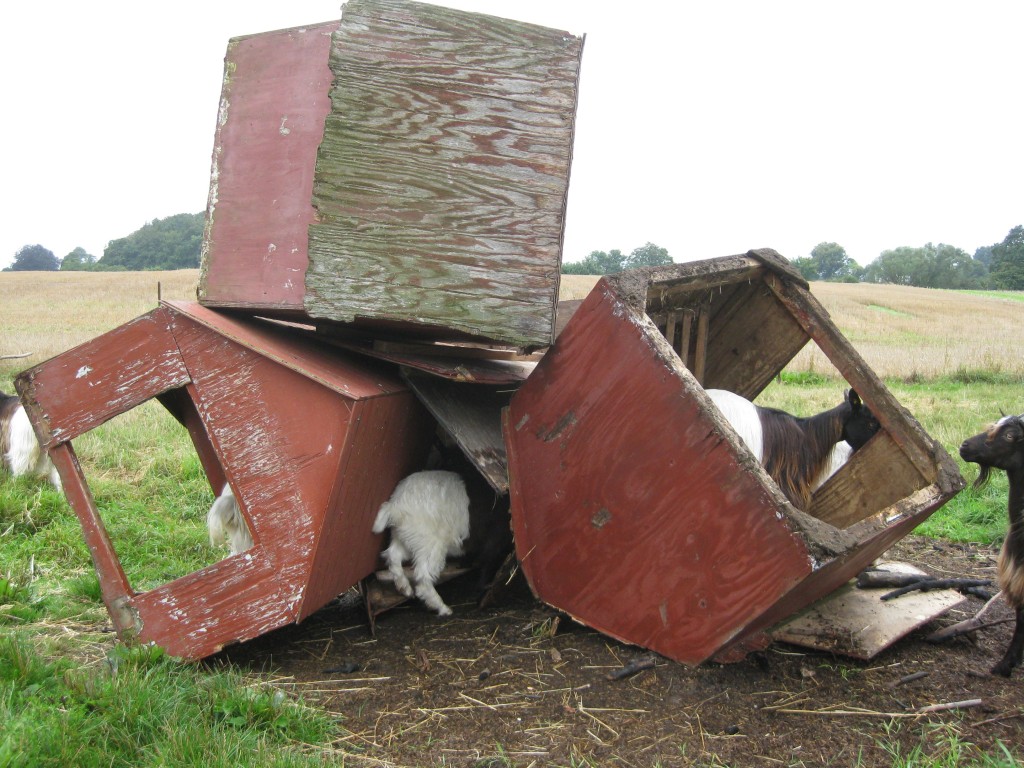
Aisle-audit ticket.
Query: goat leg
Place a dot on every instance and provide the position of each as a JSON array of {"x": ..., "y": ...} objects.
[{"x": 1014, "y": 652}]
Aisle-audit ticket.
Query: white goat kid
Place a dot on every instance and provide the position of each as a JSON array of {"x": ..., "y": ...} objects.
[
  {"x": 226, "y": 524},
  {"x": 428, "y": 514},
  {"x": 21, "y": 452}
]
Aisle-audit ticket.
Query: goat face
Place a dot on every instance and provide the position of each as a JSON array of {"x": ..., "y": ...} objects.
[
  {"x": 860, "y": 425},
  {"x": 1001, "y": 446}
]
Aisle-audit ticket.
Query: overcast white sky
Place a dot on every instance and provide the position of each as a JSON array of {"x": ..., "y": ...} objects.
[{"x": 707, "y": 128}]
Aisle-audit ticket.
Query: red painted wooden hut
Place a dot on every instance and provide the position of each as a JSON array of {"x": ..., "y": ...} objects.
[
  {"x": 311, "y": 440},
  {"x": 404, "y": 170},
  {"x": 637, "y": 510}
]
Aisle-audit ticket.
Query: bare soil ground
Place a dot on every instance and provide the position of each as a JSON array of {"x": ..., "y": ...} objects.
[{"x": 519, "y": 685}]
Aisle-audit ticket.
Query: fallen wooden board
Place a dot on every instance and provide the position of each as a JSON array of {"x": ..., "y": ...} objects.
[
  {"x": 858, "y": 623},
  {"x": 471, "y": 415}
]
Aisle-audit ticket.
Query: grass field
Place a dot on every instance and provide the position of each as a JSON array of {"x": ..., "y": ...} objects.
[{"x": 66, "y": 700}]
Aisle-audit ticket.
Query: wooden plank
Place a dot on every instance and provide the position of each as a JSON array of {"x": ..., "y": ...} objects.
[
  {"x": 441, "y": 177},
  {"x": 299, "y": 349},
  {"x": 700, "y": 348},
  {"x": 274, "y": 100},
  {"x": 84, "y": 387},
  {"x": 181, "y": 403},
  {"x": 855, "y": 622},
  {"x": 685, "y": 337},
  {"x": 655, "y": 289},
  {"x": 670, "y": 332},
  {"x": 114, "y": 586},
  {"x": 878, "y": 475},
  {"x": 471, "y": 415}
]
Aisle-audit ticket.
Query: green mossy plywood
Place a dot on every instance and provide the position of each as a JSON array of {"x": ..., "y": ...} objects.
[{"x": 441, "y": 180}]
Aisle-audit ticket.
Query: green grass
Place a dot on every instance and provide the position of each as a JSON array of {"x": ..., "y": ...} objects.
[
  {"x": 1011, "y": 295},
  {"x": 942, "y": 745},
  {"x": 140, "y": 707}
]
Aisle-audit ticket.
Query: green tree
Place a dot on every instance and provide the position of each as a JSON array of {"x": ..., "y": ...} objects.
[
  {"x": 984, "y": 255},
  {"x": 649, "y": 255},
  {"x": 34, "y": 258},
  {"x": 171, "y": 243},
  {"x": 807, "y": 267},
  {"x": 896, "y": 266},
  {"x": 597, "y": 263},
  {"x": 610, "y": 262},
  {"x": 930, "y": 266},
  {"x": 79, "y": 260},
  {"x": 831, "y": 263},
  {"x": 1007, "y": 270}
]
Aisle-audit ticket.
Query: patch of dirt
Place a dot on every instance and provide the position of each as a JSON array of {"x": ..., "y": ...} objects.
[{"x": 520, "y": 685}]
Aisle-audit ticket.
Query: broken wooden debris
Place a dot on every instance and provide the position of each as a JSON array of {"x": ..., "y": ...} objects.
[
  {"x": 633, "y": 667},
  {"x": 404, "y": 169},
  {"x": 967, "y": 626},
  {"x": 588, "y": 491},
  {"x": 964, "y": 586},
  {"x": 855, "y": 623},
  {"x": 247, "y": 392}
]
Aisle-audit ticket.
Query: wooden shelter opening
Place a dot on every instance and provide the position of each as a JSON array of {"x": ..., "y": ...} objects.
[
  {"x": 177, "y": 533},
  {"x": 636, "y": 507},
  {"x": 312, "y": 441}
]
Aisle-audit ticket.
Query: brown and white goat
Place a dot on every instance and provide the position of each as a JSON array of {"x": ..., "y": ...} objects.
[
  {"x": 19, "y": 448},
  {"x": 1001, "y": 446},
  {"x": 798, "y": 453}
]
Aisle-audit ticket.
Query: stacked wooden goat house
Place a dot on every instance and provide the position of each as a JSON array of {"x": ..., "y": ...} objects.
[{"x": 380, "y": 266}]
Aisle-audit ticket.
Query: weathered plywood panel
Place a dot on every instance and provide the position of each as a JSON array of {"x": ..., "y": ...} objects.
[
  {"x": 442, "y": 175},
  {"x": 86, "y": 386},
  {"x": 471, "y": 415},
  {"x": 613, "y": 395},
  {"x": 877, "y": 475},
  {"x": 632, "y": 510},
  {"x": 311, "y": 440},
  {"x": 274, "y": 100},
  {"x": 855, "y": 622},
  {"x": 752, "y": 337}
]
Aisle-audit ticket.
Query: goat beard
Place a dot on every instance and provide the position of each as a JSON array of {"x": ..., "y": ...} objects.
[{"x": 983, "y": 475}]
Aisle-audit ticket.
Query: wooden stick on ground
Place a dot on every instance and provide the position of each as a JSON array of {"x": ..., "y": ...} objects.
[
  {"x": 924, "y": 585},
  {"x": 966, "y": 626}
]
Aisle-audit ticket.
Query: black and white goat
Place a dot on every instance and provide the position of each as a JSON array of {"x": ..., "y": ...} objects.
[
  {"x": 1001, "y": 446},
  {"x": 21, "y": 452},
  {"x": 799, "y": 454},
  {"x": 437, "y": 514}
]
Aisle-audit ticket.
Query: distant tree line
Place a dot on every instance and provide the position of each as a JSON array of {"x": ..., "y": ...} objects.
[
  {"x": 931, "y": 266},
  {"x": 171, "y": 243},
  {"x": 607, "y": 263},
  {"x": 175, "y": 242}
]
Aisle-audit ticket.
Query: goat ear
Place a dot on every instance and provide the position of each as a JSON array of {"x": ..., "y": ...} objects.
[{"x": 853, "y": 398}]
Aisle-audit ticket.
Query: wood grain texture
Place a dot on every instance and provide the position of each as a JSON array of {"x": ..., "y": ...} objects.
[
  {"x": 441, "y": 179},
  {"x": 633, "y": 510}
]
